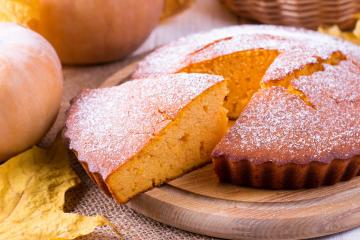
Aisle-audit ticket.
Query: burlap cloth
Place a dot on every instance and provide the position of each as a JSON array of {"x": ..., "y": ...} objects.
[{"x": 87, "y": 198}]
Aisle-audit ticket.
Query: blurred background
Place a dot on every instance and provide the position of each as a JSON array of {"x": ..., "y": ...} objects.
[
  {"x": 202, "y": 15},
  {"x": 98, "y": 31}
]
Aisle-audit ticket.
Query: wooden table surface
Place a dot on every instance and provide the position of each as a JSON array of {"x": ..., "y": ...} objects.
[{"x": 203, "y": 15}]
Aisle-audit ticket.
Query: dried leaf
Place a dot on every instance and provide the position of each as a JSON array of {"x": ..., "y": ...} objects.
[
  {"x": 356, "y": 31},
  {"x": 32, "y": 194},
  {"x": 24, "y": 12},
  {"x": 334, "y": 30}
]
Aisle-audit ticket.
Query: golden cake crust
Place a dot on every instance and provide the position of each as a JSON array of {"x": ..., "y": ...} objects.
[{"x": 301, "y": 133}]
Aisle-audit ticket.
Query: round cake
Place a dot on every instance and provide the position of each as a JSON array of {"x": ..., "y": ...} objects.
[{"x": 294, "y": 95}]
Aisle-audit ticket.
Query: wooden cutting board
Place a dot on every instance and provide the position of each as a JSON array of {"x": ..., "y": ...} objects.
[{"x": 198, "y": 203}]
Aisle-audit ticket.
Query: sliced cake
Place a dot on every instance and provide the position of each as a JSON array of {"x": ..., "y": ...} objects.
[
  {"x": 144, "y": 132},
  {"x": 293, "y": 93}
]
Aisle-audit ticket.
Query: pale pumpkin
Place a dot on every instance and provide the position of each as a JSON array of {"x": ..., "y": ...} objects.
[
  {"x": 94, "y": 31},
  {"x": 31, "y": 86}
]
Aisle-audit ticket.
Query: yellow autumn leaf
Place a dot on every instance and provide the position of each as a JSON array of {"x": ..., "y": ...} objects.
[
  {"x": 32, "y": 194},
  {"x": 356, "y": 30},
  {"x": 24, "y": 12},
  {"x": 334, "y": 30}
]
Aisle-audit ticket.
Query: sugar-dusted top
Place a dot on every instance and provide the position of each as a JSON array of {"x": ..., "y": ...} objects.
[
  {"x": 297, "y": 48},
  {"x": 276, "y": 125},
  {"x": 279, "y": 127},
  {"x": 108, "y": 126}
]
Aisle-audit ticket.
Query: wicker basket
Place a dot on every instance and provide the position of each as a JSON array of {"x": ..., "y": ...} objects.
[{"x": 303, "y": 13}]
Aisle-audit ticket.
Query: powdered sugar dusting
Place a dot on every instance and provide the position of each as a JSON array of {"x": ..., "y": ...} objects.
[
  {"x": 287, "y": 62},
  {"x": 108, "y": 126},
  {"x": 279, "y": 127},
  {"x": 276, "y": 125},
  {"x": 340, "y": 83},
  {"x": 298, "y": 47}
]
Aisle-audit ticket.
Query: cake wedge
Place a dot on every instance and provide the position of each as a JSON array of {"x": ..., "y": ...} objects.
[{"x": 138, "y": 135}]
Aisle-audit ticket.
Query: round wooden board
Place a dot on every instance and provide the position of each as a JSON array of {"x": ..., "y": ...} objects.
[{"x": 198, "y": 203}]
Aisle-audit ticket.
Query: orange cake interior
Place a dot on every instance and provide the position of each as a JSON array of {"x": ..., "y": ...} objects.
[
  {"x": 145, "y": 132},
  {"x": 244, "y": 71},
  {"x": 186, "y": 143}
]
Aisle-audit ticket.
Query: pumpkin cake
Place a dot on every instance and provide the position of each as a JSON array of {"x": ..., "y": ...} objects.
[
  {"x": 295, "y": 96},
  {"x": 144, "y": 132}
]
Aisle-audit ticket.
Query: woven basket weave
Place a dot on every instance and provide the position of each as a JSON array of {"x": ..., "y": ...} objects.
[{"x": 302, "y": 13}]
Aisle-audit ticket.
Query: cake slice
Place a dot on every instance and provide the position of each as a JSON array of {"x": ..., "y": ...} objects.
[{"x": 145, "y": 132}]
